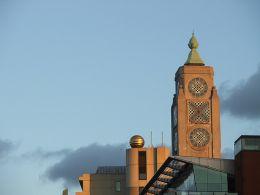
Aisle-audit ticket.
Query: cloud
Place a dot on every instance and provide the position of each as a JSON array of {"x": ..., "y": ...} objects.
[
  {"x": 5, "y": 148},
  {"x": 244, "y": 99},
  {"x": 86, "y": 159},
  {"x": 228, "y": 153},
  {"x": 42, "y": 154}
]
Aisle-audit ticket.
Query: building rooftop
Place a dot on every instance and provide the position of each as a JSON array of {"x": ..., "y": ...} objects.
[
  {"x": 175, "y": 170},
  {"x": 248, "y": 136},
  {"x": 247, "y": 143}
]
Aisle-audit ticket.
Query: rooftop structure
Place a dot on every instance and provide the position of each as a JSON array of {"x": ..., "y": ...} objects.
[
  {"x": 247, "y": 143},
  {"x": 192, "y": 175},
  {"x": 195, "y": 111}
]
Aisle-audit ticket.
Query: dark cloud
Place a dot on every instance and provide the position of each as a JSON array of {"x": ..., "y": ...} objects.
[
  {"x": 228, "y": 153},
  {"x": 44, "y": 155},
  {"x": 5, "y": 147},
  {"x": 86, "y": 159},
  {"x": 244, "y": 99}
]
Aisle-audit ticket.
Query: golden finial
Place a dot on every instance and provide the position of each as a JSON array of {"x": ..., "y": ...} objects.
[
  {"x": 193, "y": 43},
  {"x": 194, "y": 57},
  {"x": 136, "y": 141}
]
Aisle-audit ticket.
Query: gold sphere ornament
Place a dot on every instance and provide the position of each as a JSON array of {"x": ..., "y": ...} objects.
[{"x": 136, "y": 141}]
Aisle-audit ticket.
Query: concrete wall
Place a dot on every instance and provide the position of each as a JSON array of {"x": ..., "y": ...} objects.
[
  {"x": 155, "y": 157},
  {"x": 102, "y": 184}
]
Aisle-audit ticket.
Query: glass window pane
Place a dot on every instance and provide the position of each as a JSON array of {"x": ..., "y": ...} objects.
[
  {"x": 118, "y": 186},
  {"x": 214, "y": 187},
  {"x": 201, "y": 175},
  {"x": 214, "y": 176},
  {"x": 207, "y": 193},
  {"x": 224, "y": 178},
  {"x": 202, "y": 187},
  {"x": 224, "y": 187}
]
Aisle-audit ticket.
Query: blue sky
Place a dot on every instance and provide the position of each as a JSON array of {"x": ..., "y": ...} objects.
[{"x": 74, "y": 73}]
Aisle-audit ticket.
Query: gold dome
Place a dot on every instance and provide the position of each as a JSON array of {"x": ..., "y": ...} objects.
[{"x": 136, "y": 141}]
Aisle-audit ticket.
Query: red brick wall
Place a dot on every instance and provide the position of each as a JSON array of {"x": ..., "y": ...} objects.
[{"x": 247, "y": 172}]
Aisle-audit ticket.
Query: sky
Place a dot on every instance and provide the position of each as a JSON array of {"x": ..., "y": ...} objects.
[{"x": 79, "y": 78}]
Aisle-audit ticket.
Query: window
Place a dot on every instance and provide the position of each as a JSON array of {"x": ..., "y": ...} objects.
[
  {"x": 142, "y": 165},
  {"x": 210, "y": 180},
  {"x": 118, "y": 186}
]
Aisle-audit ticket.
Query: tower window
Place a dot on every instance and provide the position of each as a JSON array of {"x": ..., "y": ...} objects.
[
  {"x": 118, "y": 186},
  {"x": 142, "y": 165}
]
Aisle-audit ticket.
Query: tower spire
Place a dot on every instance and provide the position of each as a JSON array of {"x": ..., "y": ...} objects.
[{"x": 194, "y": 57}]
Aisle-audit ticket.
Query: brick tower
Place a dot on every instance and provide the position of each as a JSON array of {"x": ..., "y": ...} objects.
[{"x": 195, "y": 116}]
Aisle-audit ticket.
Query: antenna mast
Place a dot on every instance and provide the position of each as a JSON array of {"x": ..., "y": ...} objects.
[
  {"x": 151, "y": 139},
  {"x": 162, "y": 139}
]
